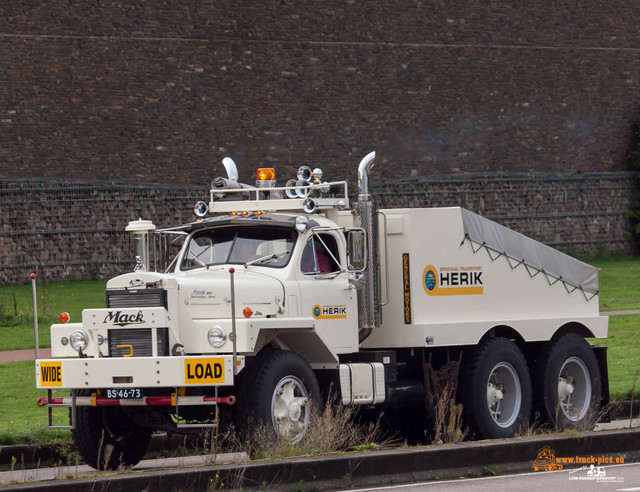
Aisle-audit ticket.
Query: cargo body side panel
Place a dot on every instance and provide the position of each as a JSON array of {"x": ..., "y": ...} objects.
[{"x": 444, "y": 290}]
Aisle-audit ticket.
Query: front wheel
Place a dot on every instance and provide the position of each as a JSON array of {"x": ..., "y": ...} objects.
[
  {"x": 279, "y": 391},
  {"x": 495, "y": 389},
  {"x": 107, "y": 439},
  {"x": 568, "y": 387}
]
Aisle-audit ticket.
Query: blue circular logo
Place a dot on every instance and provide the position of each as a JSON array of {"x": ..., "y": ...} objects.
[
  {"x": 430, "y": 280},
  {"x": 316, "y": 311}
]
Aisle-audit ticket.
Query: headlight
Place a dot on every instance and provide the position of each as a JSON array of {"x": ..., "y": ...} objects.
[
  {"x": 78, "y": 340},
  {"x": 217, "y": 336}
]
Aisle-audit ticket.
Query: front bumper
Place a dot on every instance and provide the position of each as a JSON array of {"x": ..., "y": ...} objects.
[{"x": 138, "y": 372}]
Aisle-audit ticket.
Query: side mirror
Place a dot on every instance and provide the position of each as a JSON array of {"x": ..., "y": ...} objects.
[{"x": 356, "y": 250}]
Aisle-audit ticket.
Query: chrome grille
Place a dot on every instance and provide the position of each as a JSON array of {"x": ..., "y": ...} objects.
[
  {"x": 138, "y": 341},
  {"x": 136, "y": 298}
]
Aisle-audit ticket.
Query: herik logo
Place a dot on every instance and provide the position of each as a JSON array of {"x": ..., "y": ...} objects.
[
  {"x": 452, "y": 281},
  {"x": 121, "y": 319},
  {"x": 430, "y": 281},
  {"x": 329, "y": 312}
]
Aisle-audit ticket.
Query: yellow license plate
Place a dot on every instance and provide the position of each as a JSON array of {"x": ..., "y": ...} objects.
[
  {"x": 50, "y": 374},
  {"x": 204, "y": 371}
]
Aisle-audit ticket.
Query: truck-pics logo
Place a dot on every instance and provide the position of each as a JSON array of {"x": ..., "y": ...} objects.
[
  {"x": 329, "y": 312},
  {"x": 121, "y": 319},
  {"x": 453, "y": 281}
]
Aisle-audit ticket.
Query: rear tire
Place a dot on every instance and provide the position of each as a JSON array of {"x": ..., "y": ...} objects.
[
  {"x": 107, "y": 439},
  {"x": 568, "y": 389},
  {"x": 495, "y": 389}
]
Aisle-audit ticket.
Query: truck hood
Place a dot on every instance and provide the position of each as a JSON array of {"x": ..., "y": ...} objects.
[{"x": 207, "y": 294}]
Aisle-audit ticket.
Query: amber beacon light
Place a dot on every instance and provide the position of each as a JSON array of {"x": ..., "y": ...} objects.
[{"x": 266, "y": 174}]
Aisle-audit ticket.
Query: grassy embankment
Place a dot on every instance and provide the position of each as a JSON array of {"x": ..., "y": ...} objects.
[{"x": 22, "y": 421}]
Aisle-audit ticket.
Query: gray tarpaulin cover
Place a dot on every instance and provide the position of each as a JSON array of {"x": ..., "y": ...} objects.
[{"x": 535, "y": 254}]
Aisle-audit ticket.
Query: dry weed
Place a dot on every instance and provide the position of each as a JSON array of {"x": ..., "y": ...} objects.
[
  {"x": 441, "y": 388},
  {"x": 333, "y": 429}
]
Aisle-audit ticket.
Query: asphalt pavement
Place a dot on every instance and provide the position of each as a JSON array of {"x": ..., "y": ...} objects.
[
  {"x": 20, "y": 355},
  {"x": 620, "y": 478}
]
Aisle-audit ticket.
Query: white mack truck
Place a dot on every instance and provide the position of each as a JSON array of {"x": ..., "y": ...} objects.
[{"x": 279, "y": 293}]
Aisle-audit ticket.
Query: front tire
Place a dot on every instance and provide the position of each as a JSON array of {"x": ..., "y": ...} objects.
[
  {"x": 495, "y": 389},
  {"x": 568, "y": 388},
  {"x": 279, "y": 391},
  {"x": 107, "y": 439}
]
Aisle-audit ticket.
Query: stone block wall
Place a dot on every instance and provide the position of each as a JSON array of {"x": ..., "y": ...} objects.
[
  {"x": 581, "y": 214},
  {"x": 65, "y": 230},
  {"x": 524, "y": 113},
  {"x": 72, "y": 230}
]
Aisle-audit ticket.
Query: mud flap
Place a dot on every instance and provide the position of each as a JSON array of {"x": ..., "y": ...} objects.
[{"x": 601, "y": 357}]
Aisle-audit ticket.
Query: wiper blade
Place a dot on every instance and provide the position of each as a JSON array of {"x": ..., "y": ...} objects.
[
  {"x": 267, "y": 258},
  {"x": 198, "y": 260}
]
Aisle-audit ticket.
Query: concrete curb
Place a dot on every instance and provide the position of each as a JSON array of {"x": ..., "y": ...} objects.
[
  {"x": 32, "y": 455},
  {"x": 362, "y": 469}
]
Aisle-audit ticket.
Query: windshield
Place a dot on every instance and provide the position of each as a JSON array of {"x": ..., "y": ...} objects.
[{"x": 256, "y": 245}]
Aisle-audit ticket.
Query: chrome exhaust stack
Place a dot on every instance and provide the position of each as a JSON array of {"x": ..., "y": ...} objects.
[{"x": 366, "y": 217}]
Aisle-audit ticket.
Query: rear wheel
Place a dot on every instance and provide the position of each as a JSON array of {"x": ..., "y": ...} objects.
[
  {"x": 568, "y": 389},
  {"x": 107, "y": 439},
  {"x": 279, "y": 391},
  {"x": 495, "y": 389}
]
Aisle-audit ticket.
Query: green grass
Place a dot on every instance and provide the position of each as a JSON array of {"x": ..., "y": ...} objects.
[
  {"x": 16, "y": 309},
  {"x": 623, "y": 355},
  {"x": 21, "y": 419},
  {"x": 619, "y": 283}
]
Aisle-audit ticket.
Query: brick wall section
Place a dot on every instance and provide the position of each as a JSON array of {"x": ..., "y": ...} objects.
[
  {"x": 161, "y": 91},
  {"x": 525, "y": 112},
  {"x": 68, "y": 230}
]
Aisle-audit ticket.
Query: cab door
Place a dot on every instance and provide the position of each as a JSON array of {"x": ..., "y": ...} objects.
[{"x": 325, "y": 292}]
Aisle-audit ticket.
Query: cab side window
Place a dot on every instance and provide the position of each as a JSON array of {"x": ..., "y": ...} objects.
[{"x": 319, "y": 255}]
